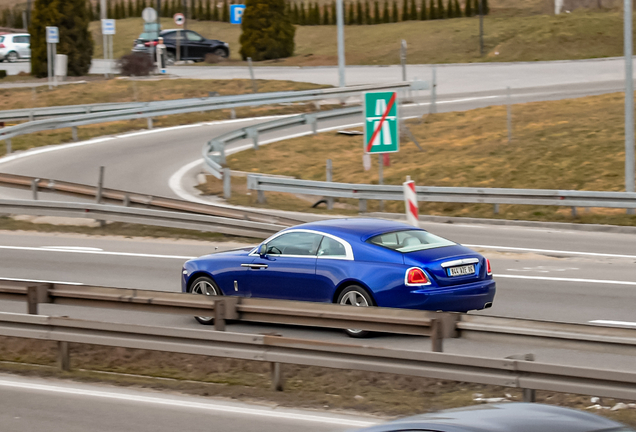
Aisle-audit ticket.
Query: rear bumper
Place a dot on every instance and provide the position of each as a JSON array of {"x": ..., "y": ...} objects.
[{"x": 474, "y": 296}]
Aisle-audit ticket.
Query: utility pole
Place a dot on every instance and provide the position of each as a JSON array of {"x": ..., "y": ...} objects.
[
  {"x": 481, "y": 28},
  {"x": 341, "y": 53},
  {"x": 629, "y": 100}
]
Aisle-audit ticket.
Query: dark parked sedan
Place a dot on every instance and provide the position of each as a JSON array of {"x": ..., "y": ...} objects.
[
  {"x": 507, "y": 417},
  {"x": 192, "y": 45}
]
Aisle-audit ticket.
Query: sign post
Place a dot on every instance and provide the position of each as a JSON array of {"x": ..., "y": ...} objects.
[
  {"x": 151, "y": 27},
  {"x": 179, "y": 19},
  {"x": 236, "y": 13},
  {"x": 52, "y": 39},
  {"x": 108, "y": 30}
]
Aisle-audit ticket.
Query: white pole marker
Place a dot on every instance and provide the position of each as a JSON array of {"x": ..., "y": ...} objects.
[{"x": 410, "y": 202}]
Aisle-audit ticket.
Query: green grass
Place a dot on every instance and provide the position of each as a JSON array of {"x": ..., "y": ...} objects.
[
  {"x": 578, "y": 35},
  {"x": 568, "y": 144}
]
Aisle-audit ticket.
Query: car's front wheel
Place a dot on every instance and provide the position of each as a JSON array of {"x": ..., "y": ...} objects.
[
  {"x": 356, "y": 296},
  {"x": 220, "y": 52},
  {"x": 203, "y": 285},
  {"x": 12, "y": 57}
]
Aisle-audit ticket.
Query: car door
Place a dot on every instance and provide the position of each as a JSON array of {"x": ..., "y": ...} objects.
[
  {"x": 196, "y": 45},
  {"x": 27, "y": 46},
  {"x": 288, "y": 269},
  {"x": 21, "y": 46}
]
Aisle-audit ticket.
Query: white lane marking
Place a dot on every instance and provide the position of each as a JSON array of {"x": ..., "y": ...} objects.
[
  {"x": 560, "y": 252},
  {"x": 614, "y": 323},
  {"x": 40, "y": 150},
  {"x": 555, "y": 279},
  {"x": 188, "y": 404},
  {"x": 96, "y": 252},
  {"x": 39, "y": 281},
  {"x": 72, "y": 248},
  {"x": 542, "y": 269}
]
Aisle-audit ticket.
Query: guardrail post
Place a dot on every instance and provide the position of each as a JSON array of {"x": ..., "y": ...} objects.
[
  {"x": 529, "y": 395},
  {"x": 495, "y": 209},
  {"x": 63, "y": 357},
  {"x": 573, "y": 212},
  {"x": 34, "y": 188},
  {"x": 252, "y": 133},
  {"x": 433, "y": 106},
  {"x": 219, "y": 314},
  {"x": 232, "y": 113},
  {"x": 277, "y": 376},
  {"x": 329, "y": 179},
  {"x": 363, "y": 206},
  {"x": 249, "y": 65},
  {"x": 36, "y": 294},
  {"x": 74, "y": 133},
  {"x": 437, "y": 335},
  {"x": 227, "y": 183},
  {"x": 100, "y": 185},
  {"x": 126, "y": 201},
  {"x": 149, "y": 122},
  {"x": 260, "y": 197},
  {"x": 8, "y": 141},
  {"x": 31, "y": 116},
  {"x": 311, "y": 119}
]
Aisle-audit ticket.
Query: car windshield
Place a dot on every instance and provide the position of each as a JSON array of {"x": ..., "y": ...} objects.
[{"x": 410, "y": 240}]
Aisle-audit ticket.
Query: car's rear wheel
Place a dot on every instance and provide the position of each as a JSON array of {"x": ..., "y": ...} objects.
[
  {"x": 170, "y": 58},
  {"x": 356, "y": 296},
  {"x": 12, "y": 57},
  {"x": 203, "y": 285}
]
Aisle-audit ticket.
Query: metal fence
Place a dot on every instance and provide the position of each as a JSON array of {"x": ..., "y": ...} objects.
[
  {"x": 509, "y": 372},
  {"x": 496, "y": 196},
  {"x": 182, "y": 106}
]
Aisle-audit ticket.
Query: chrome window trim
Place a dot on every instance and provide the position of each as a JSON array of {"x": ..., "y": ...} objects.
[
  {"x": 348, "y": 249},
  {"x": 460, "y": 262}
]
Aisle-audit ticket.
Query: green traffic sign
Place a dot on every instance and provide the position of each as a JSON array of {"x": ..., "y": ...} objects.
[{"x": 381, "y": 133}]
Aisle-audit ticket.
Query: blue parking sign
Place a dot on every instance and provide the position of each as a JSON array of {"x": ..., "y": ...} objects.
[{"x": 236, "y": 13}]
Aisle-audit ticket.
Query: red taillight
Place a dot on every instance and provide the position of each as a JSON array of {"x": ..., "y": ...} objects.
[
  {"x": 415, "y": 276},
  {"x": 488, "y": 268},
  {"x": 2, "y": 46},
  {"x": 153, "y": 43}
]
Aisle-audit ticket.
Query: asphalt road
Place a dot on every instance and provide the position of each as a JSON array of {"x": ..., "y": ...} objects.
[{"x": 32, "y": 404}]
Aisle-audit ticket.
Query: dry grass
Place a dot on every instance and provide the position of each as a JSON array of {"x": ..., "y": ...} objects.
[
  {"x": 581, "y": 34},
  {"x": 129, "y": 91},
  {"x": 311, "y": 387},
  {"x": 569, "y": 144}
]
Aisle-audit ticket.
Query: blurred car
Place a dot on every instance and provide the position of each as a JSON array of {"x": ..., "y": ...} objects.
[
  {"x": 506, "y": 417},
  {"x": 358, "y": 262},
  {"x": 15, "y": 46},
  {"x": 192, "y": 45}
]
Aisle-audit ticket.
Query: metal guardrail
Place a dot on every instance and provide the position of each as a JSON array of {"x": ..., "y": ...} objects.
[
  {"x": 438, "y": 325},
  {"x": 276, "y": 349},
  {"x": 364, "y": 192},
  {"x": 31, "y": 114},
  {"x": 162, "y": 218},
  {"x": 182, "y": 106},
  {"x": 101, "y": 194}
]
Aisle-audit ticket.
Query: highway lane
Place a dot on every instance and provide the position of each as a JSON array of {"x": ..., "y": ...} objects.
[
  {"x": 34, "y": 404},
  {"x": 551, "y": 286}
]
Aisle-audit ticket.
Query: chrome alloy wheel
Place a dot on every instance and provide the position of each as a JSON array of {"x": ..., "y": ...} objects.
[
  {"x": 355, "y": 298},
  {"x": 203, "y": 286}
]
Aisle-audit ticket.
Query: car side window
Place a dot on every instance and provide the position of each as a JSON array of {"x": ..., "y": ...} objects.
[
  {"x": 192, "y": 36},
  {"x": 295, "y": 243},
  {"x": 331, "y": 248},
  {"x": 18, "y": 39},
  {"x": 169, "y": 36}
]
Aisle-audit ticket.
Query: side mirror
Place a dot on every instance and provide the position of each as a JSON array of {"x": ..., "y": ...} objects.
[{"x": 262, "y": 250}]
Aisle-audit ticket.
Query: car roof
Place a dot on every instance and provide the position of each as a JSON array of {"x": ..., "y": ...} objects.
[
  {"x": 506, "y": 417},
  {"x": 356, "y": 227}
]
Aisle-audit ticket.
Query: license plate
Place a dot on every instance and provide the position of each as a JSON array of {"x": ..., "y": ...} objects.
[{"x": 461, "y": 271}]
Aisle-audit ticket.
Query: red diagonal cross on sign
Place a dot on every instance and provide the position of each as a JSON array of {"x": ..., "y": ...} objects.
[{"x": 386, "y": 113}]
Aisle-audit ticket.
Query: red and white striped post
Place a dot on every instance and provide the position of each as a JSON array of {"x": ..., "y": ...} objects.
[{"x": 410, "y": 202}]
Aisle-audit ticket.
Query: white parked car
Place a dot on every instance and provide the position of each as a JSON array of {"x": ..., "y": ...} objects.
[{"x": 15, "y": 46}]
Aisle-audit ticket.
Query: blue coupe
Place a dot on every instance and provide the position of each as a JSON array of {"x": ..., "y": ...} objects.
[{"x": 359, "y": 262}]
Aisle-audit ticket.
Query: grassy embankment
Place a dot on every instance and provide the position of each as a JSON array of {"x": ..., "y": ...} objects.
[
  {"x": 104, "y": 91},
  {"x": 577, "y": 35},
  {"x": 569, "y": 144}
]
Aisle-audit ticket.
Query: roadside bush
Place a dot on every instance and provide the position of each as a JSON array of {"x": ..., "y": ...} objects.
[
  {"x": 3, "y": 74},
  {"x": 267, "y": 31},
  {"x": 135, "y": 64}
]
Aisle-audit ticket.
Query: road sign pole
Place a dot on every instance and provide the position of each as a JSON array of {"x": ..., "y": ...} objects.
[
  {"x": 48, "y": 63},
  {"x": 380, "y": 177},
  {"x": 179, "y": 44},
  {"x": 102, "y": 11},
  {"x": 341, "y": 47},
  {"x": 53, "y": 57},
  {"x": 481, "y": 28},
  {"x": 629, "y": 100}
]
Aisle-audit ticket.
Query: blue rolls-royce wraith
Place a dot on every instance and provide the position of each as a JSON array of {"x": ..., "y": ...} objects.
[{"x": 357, "y": 261}]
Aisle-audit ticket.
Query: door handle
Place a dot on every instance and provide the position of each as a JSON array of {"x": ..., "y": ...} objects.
[{"x": 255, "y": 266}]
